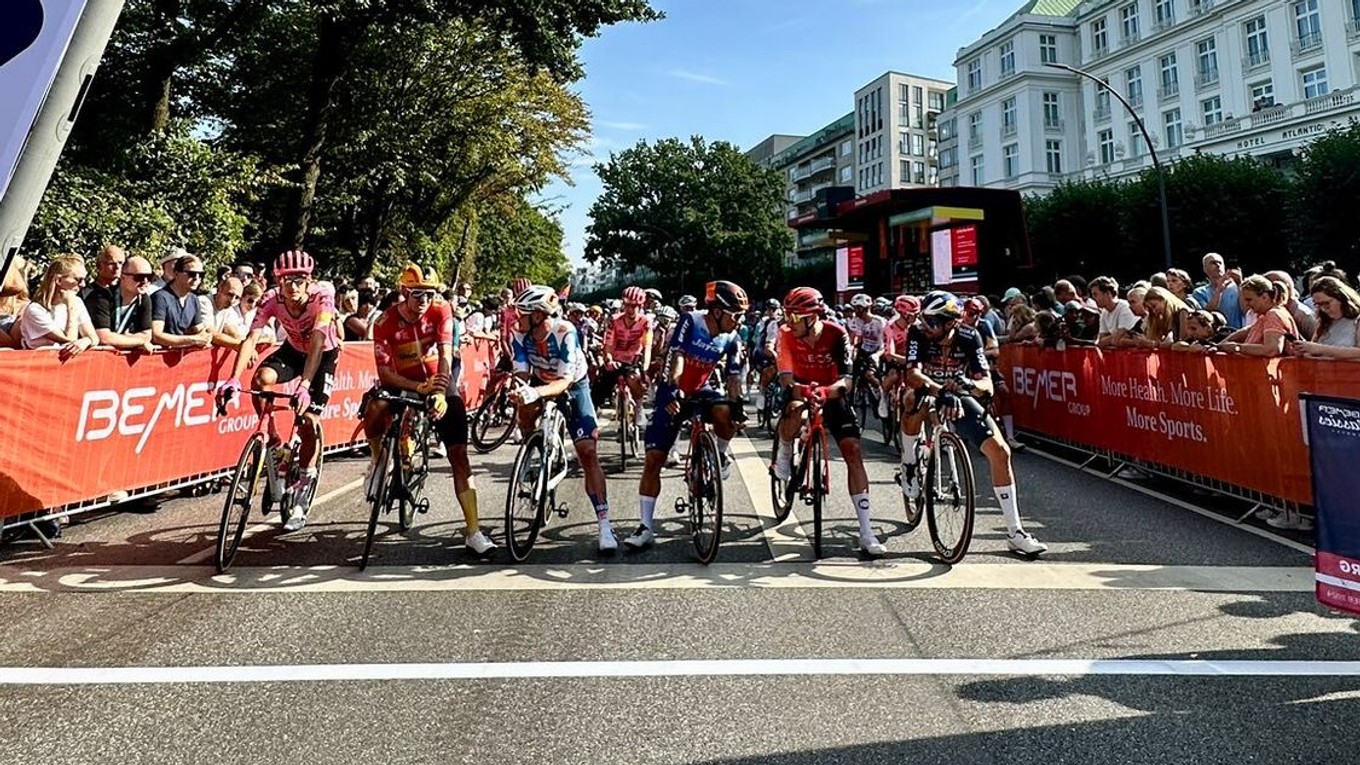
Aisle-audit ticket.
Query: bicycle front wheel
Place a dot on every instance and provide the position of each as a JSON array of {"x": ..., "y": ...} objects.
[
  {"x": 817, "y": 464},
  {"x": 526, "y": 497},
  {"x": 414, "y": 475},
  {"x": 240, "y": 496},
  {"x": 949, "y": 498},
  {"x": 783, "y": 492},
  {"x": 382, "y": 491},
  {"x": 493, "y": 421},
  {"x": 625, "y": 422},
  {"x": 705, "y": 498}
]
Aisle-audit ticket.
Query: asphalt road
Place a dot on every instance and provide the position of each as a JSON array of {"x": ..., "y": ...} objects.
[{"x": 435, "y": 655}]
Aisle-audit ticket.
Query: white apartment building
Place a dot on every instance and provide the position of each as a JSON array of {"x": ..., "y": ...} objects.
[
  {"x": 1232, "y": 77},
  {"x": 821, "y": 161},
  {"x": 895, "y": 146}
]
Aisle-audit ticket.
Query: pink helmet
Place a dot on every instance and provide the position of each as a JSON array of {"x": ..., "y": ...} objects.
[
  {"x": 634, "y": 296},
  {"x": 294, "y": 262},
  {"x": 907, "y": 305},
  {"x": 519, "y": 285}
]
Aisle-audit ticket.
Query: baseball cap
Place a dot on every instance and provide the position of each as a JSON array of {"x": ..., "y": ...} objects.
[
  {"x": 175, "y": 253},
  {"x": 1011, "y": 294}
]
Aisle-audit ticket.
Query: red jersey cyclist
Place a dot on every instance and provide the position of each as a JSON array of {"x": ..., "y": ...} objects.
[
  {"x": 895, "y": 347},
  {"x": 814, "y": 355},
  {"x": 627, "y": 348},
  {"x": 305, "y": 310},
  {"x": 414, "y": 343}
]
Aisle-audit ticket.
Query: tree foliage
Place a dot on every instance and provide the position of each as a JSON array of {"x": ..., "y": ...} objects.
[
  {"x": 1324, "y": 199},
  {"x": 520, "y": 241},
  {"x": 690, "y": 212}
]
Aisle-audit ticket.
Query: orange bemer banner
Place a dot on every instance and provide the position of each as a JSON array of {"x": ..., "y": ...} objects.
[
  {"x": 106, "y": 421},
  {"x": 1233, "y": 419}
]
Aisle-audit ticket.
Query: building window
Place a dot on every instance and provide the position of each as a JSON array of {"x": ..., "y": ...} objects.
[
  {"x": 1135, "y": 141},
  {"x": 1315, "y": 82},
  {"x": 1007, "y": 55},
  {"x": 1165, "y": 11},
  {"x": 846, "y": 148},
  {"x": 1133, "y": 85},
  {"x": 1308, "y": 24},
  {"x": 904, "y": 92},
  {"x": 1105, "y": 139},
  {"x": 1008, "y": 120},
  {"x": 1102, "y": 102},
  {"x": 904, "y": 142},
  {"x": 1048, "y": 49},
  {"x": 974, "y": 75},
  {"x": 1170, "y": 80},
  {"x": 1262, "y": 95},
  {"x": 1010, "y": 159},
  {"x": 976, "y": 166},
  {"x": 1213, "y": 110},
  {"x": 975, "y": 127},
  {"x": 918, "y": 145},
  {"x": 1128, "y": 23},
  {"x": 1172, "y": 122},
  {"x": 918, "y": 108},
  {"x": 918, "y": 173},
  {"x": 1100, "y": 37},
  {"x": 1207, "y": 60},
  {"x": 1258, "y": 49},
  {"x": 904, "y": 168},
  {"x": 847, "y": 174},
  {"x": 1052, "y": 111},
  {"x": 936, "y": 101},
  {"x": 947, "y": 157},
  {"x": 1053, "y": 153}
]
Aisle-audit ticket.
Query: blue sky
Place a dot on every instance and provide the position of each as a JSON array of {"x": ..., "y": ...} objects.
[{"x": 739, "y": 70}]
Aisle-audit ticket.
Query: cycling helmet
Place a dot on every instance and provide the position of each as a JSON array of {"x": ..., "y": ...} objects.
[
  {"x": 975, "y": 305},
  {"x": 803, "y": 301},
  {"x": 772, "y": 305},
  {"x": 666, "y": 314},
  {"x": 576, "y": 308},
  {"x": 907, "y": 305},
  {"x": 882, "y": 302},
  {"x": 687, "y": 303},
  {"x": 613, "y": 304},
  {"x": 940, "y": 307},
  {"x": 519, "y": 285},
  {"x": 861, "y": 301},
  {"x": 634, "y": 296},
  {"x": 726, "y": 295},
  {"x": 595, "y": 310},
  {"x": 294, "y": 262},
  {"x": 538, "y": 298},
  {"x": 653, "y": 293},
  {"x": 413, "y": 277}
]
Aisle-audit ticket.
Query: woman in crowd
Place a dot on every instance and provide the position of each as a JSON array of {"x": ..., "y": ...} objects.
[
  {"x": 1204, "y": 330},
  {"x": 1338, "y": 331},
  {"x": 13, "y": 301},
  {"x": 57, "y": 317},
  {"x": 1274, "y": 327},
  {"x": 1021, "y": 327},
  {"x": 1178, "y": 283},
  {"x": 1167, "y": 317}
]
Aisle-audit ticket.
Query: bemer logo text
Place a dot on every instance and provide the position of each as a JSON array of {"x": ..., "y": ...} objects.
[
  {"x": 136, "y": 411},
  {"x": 1052, "y": 384}
]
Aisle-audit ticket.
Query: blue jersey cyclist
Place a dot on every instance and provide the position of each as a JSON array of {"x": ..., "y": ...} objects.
[
  {"x": 702, "y": 342},
  {"x": 947, "y": 360},
  {"x": 546, "y": 353}
]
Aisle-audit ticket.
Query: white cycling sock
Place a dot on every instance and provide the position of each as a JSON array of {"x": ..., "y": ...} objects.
[
  {"x": 1009, "y": 507},
  {"x": 861, "y": 502},
  {"x": 723, "y": 445},
  {"x": 909, "y": 449},
  {"x": 785, "y": 451},
  {"x": 648, "y": 510},
  {"x": 1008, "y": 422}
]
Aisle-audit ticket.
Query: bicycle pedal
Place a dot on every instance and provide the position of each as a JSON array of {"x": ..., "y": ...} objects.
[
  {"x": 562, "y": 510},
  {"x": 423, "y": 507},
  {"x": 681, "y": 506}
]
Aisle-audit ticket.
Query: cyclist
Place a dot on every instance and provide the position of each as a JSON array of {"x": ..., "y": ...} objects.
[
  {"x": 687, "y": 303},
  {"x": 895, "y": 347},
  {"x": 305, "y": 310},
  {"x": 946, "y": 359},
  {"x": 653, "y": 299},
  {"x": 866, "y": 337},
  {"x": 764, "y": 345},
  {"x": 814, "y": 352},
  {"x": 627, "y": 349},
  {"x": 548, "y": 359},
  {"x": 975, "y": 315},
  {"x": 702, "y": 341},
  {"x": 414, "y": 343}
]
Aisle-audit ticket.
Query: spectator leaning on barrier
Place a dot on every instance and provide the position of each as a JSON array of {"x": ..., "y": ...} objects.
[
  {"x": 1221, "y": 294},
  {"x": 107, "y": 268},
  {"x": 229, "y": 327},
  {"x": 1065, "y": 291},
  {"x": 1021, "y": 327},
  {"x": 1116, "y": 318},
  {"x": 13, "y": 301},
  {"x": 1303, "y": 315},
  {"x": 57, "y": 317},
  {"x": 176, "y": 317},
  {"x": 1167, "y": 318},
  {"x": 1081, "y": 322},
  {"x": 1274, "y": 327},
  {"x": 1338, "y": 330},
  {"x": 359, "y": 324},
  {"x": 122, "y": 316}
]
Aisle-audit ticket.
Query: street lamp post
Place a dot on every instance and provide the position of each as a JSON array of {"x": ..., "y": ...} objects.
[{"x": 1156, "y": 163}]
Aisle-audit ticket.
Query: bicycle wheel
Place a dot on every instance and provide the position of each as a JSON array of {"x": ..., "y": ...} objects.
[
  {"x": 915, "y": 508},
  {"x": 414, "y": 475},
  {"x": 624, "y": 417},
  {"x": 949, "y": 498},
  {"x": 382, "y": 491},
  {"x": 817, "y": 464},
  {"x": 783, "y": 492},
  {"x": 705, "y": 498},
  {"x": 494, "y": 420},
  {"x": 240, "y": 495},
  {"x": 860, "y": 402},
  {"x": 526, "y": 497}
]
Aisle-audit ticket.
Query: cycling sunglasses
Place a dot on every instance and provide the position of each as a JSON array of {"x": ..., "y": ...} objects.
[
  {"x": 799, "y": 319},
  {"x": 938, "y": 322},
  {"x": 423, "y": 294}
]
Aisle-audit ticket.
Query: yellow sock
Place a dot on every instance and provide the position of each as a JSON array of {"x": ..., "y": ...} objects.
[{"x": 468, "y": 499}]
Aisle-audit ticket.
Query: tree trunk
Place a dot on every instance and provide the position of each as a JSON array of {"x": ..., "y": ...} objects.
[{"x": 335, "y": 46}]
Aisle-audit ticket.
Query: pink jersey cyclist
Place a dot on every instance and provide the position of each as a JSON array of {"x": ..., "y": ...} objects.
[
  {"x": 895, "y": 338},
  {"x": 626, "y": 342},
  {"x": 318, "y": 314}
]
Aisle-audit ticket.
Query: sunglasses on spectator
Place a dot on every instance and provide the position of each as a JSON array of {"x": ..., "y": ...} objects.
[
  {"x": 423, "y": 294},
  {"x": 140, "y": 278}
]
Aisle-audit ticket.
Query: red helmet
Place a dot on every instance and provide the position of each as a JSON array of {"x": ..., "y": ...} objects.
[
  {"x": 803, "y": 301},
  {"x": 520, "y": 284},
  {"x": 907, "y": 305},
  {"x": 634, "y": 296},
  {"x": 975, "y": 305},
  {"x": 294, "y": 262}
]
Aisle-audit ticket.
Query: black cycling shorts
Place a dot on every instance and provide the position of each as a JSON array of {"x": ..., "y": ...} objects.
[
  {"x": 839, "y": 420},
  {"x": 975, "y": 425},
  {"x": 453, "y": 426},
  {"x": 287, "y": 362}
]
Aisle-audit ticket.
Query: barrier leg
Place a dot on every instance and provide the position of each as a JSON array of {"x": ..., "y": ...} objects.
[
  {"x": 1250, "y": 511},
  {"x": 33, "y": 526}
]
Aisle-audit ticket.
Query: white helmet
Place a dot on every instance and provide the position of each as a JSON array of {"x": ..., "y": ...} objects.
[
  {"x": 666, "y": 314},
  {"x": 861, "y": 300},
  {"x": 539, "y": 298},
  {"x": 688, "y": 302}
]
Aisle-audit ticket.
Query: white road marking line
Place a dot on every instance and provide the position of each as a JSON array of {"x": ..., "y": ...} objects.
[
  {"x": 203, "y": 555},
  {"x": 1180, "y": 503},
  {"x": 783, "y": 539},
  {"x": 892, "y": 574},
  {"x": 672, "y": 668}
]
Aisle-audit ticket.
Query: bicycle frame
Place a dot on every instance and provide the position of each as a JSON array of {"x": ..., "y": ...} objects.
[
  {"x": 553, "y": 426},
  {"x": 814, "y": 428}
]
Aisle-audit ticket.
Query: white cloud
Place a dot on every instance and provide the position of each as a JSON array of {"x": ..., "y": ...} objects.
[
  {"x": 630, "y": 126},
  {"x": 706, "y": 79}
]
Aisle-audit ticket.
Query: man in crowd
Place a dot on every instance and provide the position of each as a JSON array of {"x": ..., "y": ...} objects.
[
  {"x": 168, "y": 266},
  {"x": 1303, "y": 315},
  {"x": 1081, "y": 320},
  {"x": 122, "y": 316},
  {"x": 1116, "y": 317},
  {"x": 229, "y": 327},
  {"x": 1066, "y": 291},
  {"x": 176, "y": 318},
  {"x": 1221, "y": 293},
  {"x": 107, "y": 268}
]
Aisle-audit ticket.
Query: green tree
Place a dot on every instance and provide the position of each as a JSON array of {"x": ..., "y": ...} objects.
[
  {"x": 514, "y": 240},
  {"x": 1325, "y": 196},
  {"x": 690, "y": 212},
  {"x": 1076, "y": 229}
]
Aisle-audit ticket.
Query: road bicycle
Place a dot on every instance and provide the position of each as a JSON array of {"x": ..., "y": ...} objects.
[
  {"x": 944, "y": 474},
  {"x": 491, "y": 424},
  {"x": 625, "y": 410},
  {"x": 811, "y": 475},
  {"x": 264, "y": 456},
  {"x": 864, "y": 400},
  {"x": 541, "y": 465},
  {"x": 402, "y": 464},
  {"x": 703, "y": 500}
]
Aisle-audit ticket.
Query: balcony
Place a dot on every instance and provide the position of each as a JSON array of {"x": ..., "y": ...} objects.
[
  {"x": 1328, "y": 102},
  {"x": 1305, "y": 45},
  {"x": 1169, "y": 91},
  {"x": 1054, "y": 125},
  {"x": 819, "y": 165},
  {"x": 1206, "y": 78},
  {"x": 1006, "y": 74},
  {"x": 1256, "y": 60},
  {"x": 1128, "y": 40},
  {"x": 1009, "y": 130},
  {"x": 1270, "y": 115},
  {"x": 1161, "y": 26},
  {"x": 1309, "y": 111},
  {"x": 1102, "y": 113},
  {"x": 1136, "y": 98},
  {"x": 1222, "y": 128},
  {"x": 1100, "y": 51},
  {"x": 1200, "y": 8}
]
